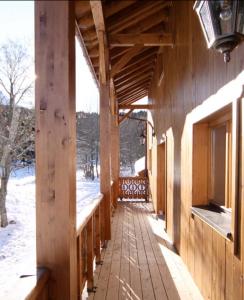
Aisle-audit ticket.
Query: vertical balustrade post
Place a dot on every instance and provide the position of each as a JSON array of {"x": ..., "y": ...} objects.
[
  {"x": 98, "y": 236},
  {"x": 90, "y": 256}
]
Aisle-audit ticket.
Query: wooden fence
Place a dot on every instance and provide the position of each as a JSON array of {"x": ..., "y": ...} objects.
[{"x": 133, "y": 187}]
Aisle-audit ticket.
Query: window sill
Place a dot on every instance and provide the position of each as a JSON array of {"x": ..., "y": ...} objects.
[{"x": 216, "y": 217}]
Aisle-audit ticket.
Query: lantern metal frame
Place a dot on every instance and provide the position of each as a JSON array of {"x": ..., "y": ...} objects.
[{"x": 211, "y": 23}]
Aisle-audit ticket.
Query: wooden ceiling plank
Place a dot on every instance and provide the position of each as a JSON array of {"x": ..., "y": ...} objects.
[
  {"x": 142, "y": 39},
  {"x": 124, "y": 60},
  {"x": 82, "y": 8},
  {"x": 132, "y": 71},
  {"x": 145, "y": 70},
  {"x": 116, "y": 6},
  {"x": 144, "y": 59},
  {"x": 133, "y": 89},
  {"x": 93, "y": 52},
  {"x": 159, "y": 17},
  {"x": 127, "y": 98},
  {"x": 138, "y": 79},
  {"x": 137, "y": 14},
  {"x": 130, "y": 100},
  {"x": 86, "y": 21}
]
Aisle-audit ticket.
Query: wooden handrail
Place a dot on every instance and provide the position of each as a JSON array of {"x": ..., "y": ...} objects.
[
  {"x": 88, "y": 244},
  {"x": 87, "y": 213}
]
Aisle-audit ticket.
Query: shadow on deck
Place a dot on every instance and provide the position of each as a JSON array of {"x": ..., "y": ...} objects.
[{"x": 140, "y": 262}]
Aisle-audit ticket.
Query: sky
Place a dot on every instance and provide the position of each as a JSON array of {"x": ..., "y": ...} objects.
[{"x": 17, "y": 23}]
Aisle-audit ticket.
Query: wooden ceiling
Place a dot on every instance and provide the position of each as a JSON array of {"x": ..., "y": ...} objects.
[{"x": 136, "y": 31}]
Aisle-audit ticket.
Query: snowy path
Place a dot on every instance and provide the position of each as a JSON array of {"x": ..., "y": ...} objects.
[{"x": 17, "y": 241}]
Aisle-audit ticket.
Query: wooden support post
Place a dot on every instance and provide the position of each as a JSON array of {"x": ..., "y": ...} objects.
[
  {"x": 105, "y": 162},
  {"x": 90, "y": 279},
  {"x": 98, "y": 236},
  {"x": 55, "y": 145},
  {"x": 115, "y": 154}
]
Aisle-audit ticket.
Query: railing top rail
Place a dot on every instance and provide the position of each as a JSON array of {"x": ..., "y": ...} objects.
[
  {"x": 132, "y": 177},
  {"x": 87, "y": 213}
]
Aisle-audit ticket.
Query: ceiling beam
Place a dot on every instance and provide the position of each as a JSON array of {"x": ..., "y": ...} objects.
[
  {"x": 141, "y": 39},
  {"x": 134, "y": 98},
  {"x": 97, "y": 13},
  {"x": 86, "y": 21},
  {"x": 136, "y": 14},
  {"x": 142, "y": 78},
  {"x": 145, "y": 70},
  {"x": 133, "y": 90},
  {"x": 132, "y": 72},
  {"x": 135, "y": 106},
  {"x": 124, "y": 60},
  {"x": 116, "y": 6}
]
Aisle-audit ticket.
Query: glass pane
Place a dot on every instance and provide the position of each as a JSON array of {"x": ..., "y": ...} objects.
[
  {"x": 218, "y": 156},
  {"x": 222, "y": 16},
  {"x": 240, "y": 18},
  {"x": 206, "y": 21}
]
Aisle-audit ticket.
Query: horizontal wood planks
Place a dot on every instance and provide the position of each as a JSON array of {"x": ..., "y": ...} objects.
[
  {"x": 139, "y": 262},
  {"x": 196, "y": 84}
]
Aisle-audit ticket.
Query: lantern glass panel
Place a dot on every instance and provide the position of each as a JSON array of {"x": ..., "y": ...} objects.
[
  {"x": 240, "y": 18},
  {"x": 206, "y": 21}
]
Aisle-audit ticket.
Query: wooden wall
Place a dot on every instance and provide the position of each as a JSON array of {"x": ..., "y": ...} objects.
[{"x": 196, "y": 82}]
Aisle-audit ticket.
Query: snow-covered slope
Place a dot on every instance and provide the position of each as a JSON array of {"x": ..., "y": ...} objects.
[{"x": 17, "y": 240}]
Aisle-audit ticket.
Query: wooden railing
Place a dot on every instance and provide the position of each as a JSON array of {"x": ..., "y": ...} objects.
[
  {"x": 88, "y": 245},
  {"x": 133, "y": 187}
]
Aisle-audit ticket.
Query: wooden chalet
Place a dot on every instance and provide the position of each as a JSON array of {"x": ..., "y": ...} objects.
[{"x": 187, "y": 242}]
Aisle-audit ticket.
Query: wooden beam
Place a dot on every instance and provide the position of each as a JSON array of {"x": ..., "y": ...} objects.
[
  {"x": 131, "y": 89},
  {"x": 125, "y": 115},
  {"x": 157, "y": 18},
  {"x": 124, "y": 60},
  {"x": 56, "y": 145},
  {"x": 135, "y": 15},
  {"x": 148, "y": 69},
  {"x": 128, "y": 98},
  {"x": 135, "y": 98},
  {"x": 115, "y": 156},
  {"x": 141, "y": 39},
  {"x": 133, "y": 72},
  {"x": 130, "y": 81},
  {"x": 144, "y": 78},
  {"x": 135, "y": 106},
  {"x": 116, "y": 6},
  {"x": 134, "y": 90},
  {"x": 97, "y": 12},
  {"x": 144, "y": 59}
]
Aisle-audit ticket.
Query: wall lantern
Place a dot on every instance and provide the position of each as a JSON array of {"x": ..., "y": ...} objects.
[{"x": 222, "y": 22}]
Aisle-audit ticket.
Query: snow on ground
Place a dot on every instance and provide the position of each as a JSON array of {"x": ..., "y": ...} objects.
[
  {"x": 140, "y": 165},
  {"x": 17, "y": 241}
]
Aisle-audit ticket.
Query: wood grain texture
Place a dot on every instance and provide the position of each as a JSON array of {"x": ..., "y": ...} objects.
[
  {"x": 56, "y": 145},
  {"x": 197, "y": 84}
]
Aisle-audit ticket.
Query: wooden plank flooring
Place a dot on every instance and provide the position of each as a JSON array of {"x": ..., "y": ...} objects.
[{"x": 140, "y": 262}]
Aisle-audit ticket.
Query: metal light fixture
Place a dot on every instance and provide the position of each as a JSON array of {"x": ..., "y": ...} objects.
[
  {"x": 143, "y": 137},
  {"x": 222, "y": 22}
]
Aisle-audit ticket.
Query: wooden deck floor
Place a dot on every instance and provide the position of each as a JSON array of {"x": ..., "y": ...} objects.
[{"x": 139, "y": 262}]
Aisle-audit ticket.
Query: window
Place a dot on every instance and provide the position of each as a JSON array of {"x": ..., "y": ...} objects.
[
  {"x": 215, "y": 171},
  {"x": 219, "y": 189}
]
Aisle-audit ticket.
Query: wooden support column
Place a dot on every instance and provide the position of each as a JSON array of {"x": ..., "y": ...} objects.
[
  {"x": 55, "y": 145},
  {"x": 105, "y": 177},
  {"x": 115, "y": 156},
  {"x": 97, "y": 12}
]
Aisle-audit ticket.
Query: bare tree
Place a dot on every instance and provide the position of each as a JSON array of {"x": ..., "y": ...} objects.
[{"x": 16, "y": 124}]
